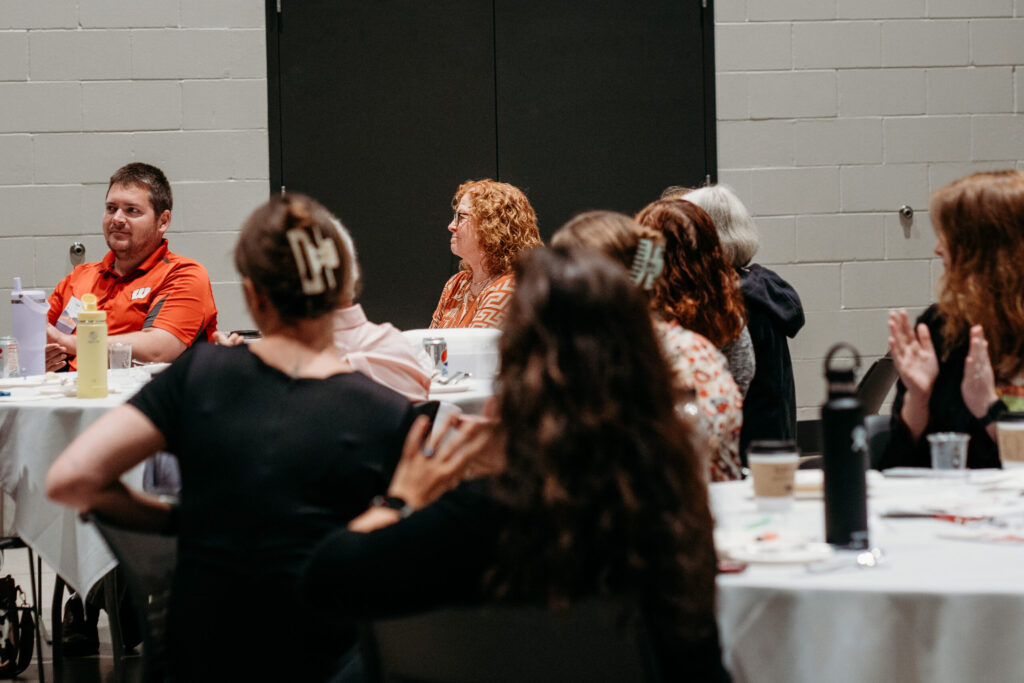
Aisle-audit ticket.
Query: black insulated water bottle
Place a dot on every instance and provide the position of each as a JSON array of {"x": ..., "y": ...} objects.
[{"x": 844, "y": 451}]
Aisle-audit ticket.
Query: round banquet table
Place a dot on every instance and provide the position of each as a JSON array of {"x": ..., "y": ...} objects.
[
  {"x": 470, "y": 395},
  {"x": 34, "y": 429},
  {"x": 946, "y": 604}
]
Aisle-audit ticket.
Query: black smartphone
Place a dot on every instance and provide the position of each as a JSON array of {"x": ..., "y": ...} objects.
[
  {"x": 428, "y": 408},
  {"x": 247, "y": 335}
]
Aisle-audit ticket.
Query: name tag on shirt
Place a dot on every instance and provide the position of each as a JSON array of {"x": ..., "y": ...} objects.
[{"x": 68, "y": 320}]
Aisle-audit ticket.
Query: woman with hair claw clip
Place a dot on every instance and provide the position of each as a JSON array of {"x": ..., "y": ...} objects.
[
  {"x": 280, "y": 442},
  {"x": 699, "y": 369}
]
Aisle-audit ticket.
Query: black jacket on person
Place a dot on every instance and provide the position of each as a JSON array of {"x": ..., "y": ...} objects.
[
  {"x": 774, "y": 313},
  {"x": 947, "y": 411}
]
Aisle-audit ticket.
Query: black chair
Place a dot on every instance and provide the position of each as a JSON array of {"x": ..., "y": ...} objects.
[
  {"x": 872, "y": 390},
  {"x": 147, "y": 562},
  {"x": 598, "y": 641},
  {"x": 111, "y": 593},
  {"x": 877, "y": 427},
  {"x": 35, "y": 572},
  {"x": 808, "y": 437},
  {"x": 876, "y": 384}
]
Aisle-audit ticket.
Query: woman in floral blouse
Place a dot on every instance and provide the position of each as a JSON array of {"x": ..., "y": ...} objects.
[{"x": 699, "y": 368}]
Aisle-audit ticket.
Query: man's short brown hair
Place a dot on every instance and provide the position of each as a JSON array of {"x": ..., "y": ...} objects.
[{"x": 152, "y": 177}]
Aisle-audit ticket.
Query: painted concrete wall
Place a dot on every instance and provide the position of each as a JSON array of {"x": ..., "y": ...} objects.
[
  {"x": 834, "y": 113},
  {"x": 89, "y": 85}
]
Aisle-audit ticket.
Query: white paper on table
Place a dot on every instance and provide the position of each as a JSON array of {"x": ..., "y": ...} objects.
[{"x": 985, "y": 535}]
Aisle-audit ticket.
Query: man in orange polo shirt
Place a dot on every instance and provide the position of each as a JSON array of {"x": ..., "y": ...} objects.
[{"x": 157, "y": 301}]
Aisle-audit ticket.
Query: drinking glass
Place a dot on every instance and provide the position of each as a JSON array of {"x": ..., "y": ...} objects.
[
  {"x": 949, "y": 451},
  {"x": 120, "y": 358}
]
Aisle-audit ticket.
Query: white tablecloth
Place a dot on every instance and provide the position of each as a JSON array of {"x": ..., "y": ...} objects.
[
  {"x": 33, "y": 432},
  {"x": 935, "y": 610},
  {"x": 472, "y": 400}
]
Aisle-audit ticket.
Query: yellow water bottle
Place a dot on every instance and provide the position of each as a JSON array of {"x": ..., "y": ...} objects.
[{"x": 92, "y": 349}]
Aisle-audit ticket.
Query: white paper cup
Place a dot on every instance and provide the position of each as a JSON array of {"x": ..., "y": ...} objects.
[
  {"x": 773, "y": 466},
  {"x": 949, "y": 450},
  {"x": 1011, "y": 440}
]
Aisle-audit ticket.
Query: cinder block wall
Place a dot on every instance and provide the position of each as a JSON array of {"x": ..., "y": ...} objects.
[
  {"x": 89, "y": 85},
  {"x": 834, "y": 113}
]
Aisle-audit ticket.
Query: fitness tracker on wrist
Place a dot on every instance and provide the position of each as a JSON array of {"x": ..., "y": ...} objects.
[
  {"x": 994, "y": 412},
  {"x": 393, "y": 503}
]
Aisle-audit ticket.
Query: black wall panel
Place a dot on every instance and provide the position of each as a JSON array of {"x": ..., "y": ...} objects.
[
  {"x": 380, "y": 109},
  {"x": 599, "y": 103},
  {"x": 385, "y": 107}
]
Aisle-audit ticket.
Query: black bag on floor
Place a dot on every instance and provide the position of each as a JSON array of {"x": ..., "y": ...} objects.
[{"x": 17, "y": 629}]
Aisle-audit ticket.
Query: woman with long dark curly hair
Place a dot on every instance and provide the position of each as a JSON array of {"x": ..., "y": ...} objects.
[
  {"x": 962, "y": 364},
  {"x": 493, "y": 223},
  {"x": 699, "y": 288},
  {"x": 599, "y": 491}
]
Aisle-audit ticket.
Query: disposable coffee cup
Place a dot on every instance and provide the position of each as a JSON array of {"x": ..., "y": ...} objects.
[
  {"x": 1011, "y": 440},
  {"x": 773, "y": 467},
  {"x": 949, "y": 451}
]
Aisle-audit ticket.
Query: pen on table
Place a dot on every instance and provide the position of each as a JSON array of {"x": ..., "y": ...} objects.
[
  {"x": 956, "y": 519},
  {"x": 759, "y": 522},
  {"x": 962, "y": 519}
]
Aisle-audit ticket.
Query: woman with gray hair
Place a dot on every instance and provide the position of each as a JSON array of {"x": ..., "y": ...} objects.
[{"x": 774, "y": 312}]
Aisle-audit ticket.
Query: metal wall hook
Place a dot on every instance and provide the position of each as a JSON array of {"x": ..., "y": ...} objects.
[{"x": 906, "y": 211}]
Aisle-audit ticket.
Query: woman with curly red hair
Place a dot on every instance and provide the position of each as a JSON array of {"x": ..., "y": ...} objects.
[
  {"x": 962, "y": 364},
  {"x": 700, "y": 289},
  {"x": 493, "y": 223}
]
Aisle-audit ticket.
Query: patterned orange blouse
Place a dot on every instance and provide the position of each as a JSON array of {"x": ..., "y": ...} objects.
[{"x": 458, "y": 308}]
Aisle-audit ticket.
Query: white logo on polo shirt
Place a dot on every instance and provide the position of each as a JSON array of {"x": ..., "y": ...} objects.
[{"x": 140, "y": 293}]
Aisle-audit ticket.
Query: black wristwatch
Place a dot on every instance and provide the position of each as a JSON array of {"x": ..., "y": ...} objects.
[
  {"x": 393, "y": 503},
  {"x": 994, "y": 412}
]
